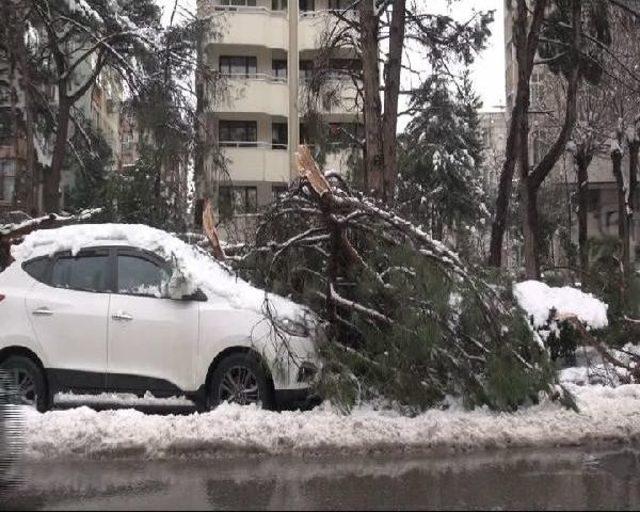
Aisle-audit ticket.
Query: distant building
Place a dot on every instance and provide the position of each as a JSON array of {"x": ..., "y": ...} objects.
[
  {"x": 493, "y": 127},
  {"x": 100, "y": 109},
  {"x": 129, "y": 140}
]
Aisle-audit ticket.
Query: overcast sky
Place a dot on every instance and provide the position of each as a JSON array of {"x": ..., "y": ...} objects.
[{"x": 488, "y": 70}]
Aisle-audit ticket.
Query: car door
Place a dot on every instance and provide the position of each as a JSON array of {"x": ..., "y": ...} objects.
[
  {"x": 152, "y": 338},
  {"x": 69, "y": 311}
]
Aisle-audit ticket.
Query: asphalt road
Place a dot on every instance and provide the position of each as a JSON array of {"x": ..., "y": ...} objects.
[{"x": 557, "y": 479}]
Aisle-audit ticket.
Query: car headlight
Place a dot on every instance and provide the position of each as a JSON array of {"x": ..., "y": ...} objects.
[{"x": 292, "y": 328}]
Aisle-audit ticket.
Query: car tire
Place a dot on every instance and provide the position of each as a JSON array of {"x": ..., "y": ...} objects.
[
  {"x": 36, "y": 394},
  {"x": 241, "y": 367}
]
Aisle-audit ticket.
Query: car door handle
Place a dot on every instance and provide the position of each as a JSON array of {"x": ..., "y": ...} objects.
[
  {"x": 122, "y": 316},
  {"x": 42, "y": 312}
]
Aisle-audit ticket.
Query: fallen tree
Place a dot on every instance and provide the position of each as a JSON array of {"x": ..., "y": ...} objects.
[{"x": 406, "y": 319}]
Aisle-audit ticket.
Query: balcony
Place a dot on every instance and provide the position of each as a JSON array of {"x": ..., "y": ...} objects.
[
  {"x": 312, "y": 25},
  {"x": 257, "y": 161},
  {"x": 259, "y": 93},
  {"x": 257, "y": 26}
]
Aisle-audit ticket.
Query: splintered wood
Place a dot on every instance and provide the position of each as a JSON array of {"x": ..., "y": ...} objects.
[
  {"x": 309, "y": 170},
  {"x": 209, "y": 228}
]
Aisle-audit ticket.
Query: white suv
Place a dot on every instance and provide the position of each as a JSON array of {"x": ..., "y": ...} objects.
[{"x": 128, "y": 308}]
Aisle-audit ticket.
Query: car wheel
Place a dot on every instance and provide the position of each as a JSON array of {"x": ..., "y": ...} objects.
[
  {"x": 240, "y": 379},
  {"x": 29, "y": 382}
]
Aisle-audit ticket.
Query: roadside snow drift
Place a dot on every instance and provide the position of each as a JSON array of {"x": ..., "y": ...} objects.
[
  {"x": 538, "y": 299},
  {"x": 607, "y": 415}
]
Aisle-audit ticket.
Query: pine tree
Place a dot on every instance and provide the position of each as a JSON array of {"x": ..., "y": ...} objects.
[{"x": 441, "y": 158}]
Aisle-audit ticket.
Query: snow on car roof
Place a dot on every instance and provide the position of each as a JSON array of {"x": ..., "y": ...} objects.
[{"x": 200, "y": 269}]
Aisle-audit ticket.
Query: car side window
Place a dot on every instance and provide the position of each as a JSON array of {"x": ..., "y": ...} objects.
[
  {"x": 86, "y": 272},
  {"x": 37, "y": 268},
  {"x": 140, "y": 276}
]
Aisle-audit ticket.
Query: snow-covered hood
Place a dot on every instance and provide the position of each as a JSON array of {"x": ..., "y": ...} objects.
[{"x": 199, "y": 268}]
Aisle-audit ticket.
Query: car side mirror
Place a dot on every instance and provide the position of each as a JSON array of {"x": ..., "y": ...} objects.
[{"x": 197, "y": 296}]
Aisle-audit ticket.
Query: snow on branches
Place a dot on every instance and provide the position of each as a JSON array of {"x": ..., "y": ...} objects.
[{"x": 406, "y": 318}]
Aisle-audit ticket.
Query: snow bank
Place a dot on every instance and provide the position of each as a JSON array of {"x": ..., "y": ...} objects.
[
  {"x": 607, "y": 415},
  {"x": 198, "y": 268},
  {"x": 538, "y": 299},
  {"x": 122, "y": 400}
]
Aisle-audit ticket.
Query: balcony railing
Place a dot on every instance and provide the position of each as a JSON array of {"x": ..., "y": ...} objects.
[{"x": 266, "y": 77}]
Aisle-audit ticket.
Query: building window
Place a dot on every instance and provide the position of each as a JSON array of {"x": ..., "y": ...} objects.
[
  {"x": 279, "y": 68},
  {"x": 278, "y": 5},
  {"x": 306, "y": 69},
  {"x": 611, "y": 218},
  {"x": 307, "y": 5},
  {"x": 239, "y": 3},
  {"x": 279, "y": 135},
  {"x": 5, "y": 94},
  {"x": 5, "y": 127},
  {"x": 238, "y": 133},
  {"x": 237, "y": 200},
  {"x": 7, "y": 179},
  {"x": 345, "y": 134},
  {"x": 277, "y": 191},
  {"x": 341, "y": 5},
  {"x": 239, "y": 66},
  {"x": 346, "y": 67}
]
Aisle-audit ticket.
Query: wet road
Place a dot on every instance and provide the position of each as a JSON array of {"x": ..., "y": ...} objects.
[{"x": 557, "y": 479}]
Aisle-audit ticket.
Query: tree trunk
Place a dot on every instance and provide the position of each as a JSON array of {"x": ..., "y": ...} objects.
[
  {"x": 616, "y": 160},
  {"x": 582, "y": 166},
  {"x": 526, "y": 43},
  {"x": 52, "y": 177},
  {"x": 530, "y": 228},
  {"x": 634, "y": 148},
  {"x": 504, "y": 189},
  {"x": 372, "y": 111},
  {"x": 391, "y": 92},
  {"x": 545, "y": 166}
]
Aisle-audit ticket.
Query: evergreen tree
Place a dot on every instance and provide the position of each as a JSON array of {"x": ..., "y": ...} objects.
[{"x": 441, "y": 158}]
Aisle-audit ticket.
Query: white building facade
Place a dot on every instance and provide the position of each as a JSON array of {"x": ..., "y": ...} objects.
[{"x": 252, "y": 123}]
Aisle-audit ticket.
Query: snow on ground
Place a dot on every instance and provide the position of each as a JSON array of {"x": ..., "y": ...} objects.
[
  {"x": 606, "y": 415},
  {"x": 122, "y": 400},
  {"x": 538, "y": 299}
]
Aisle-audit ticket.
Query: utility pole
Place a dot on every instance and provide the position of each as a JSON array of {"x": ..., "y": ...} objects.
[{"x": 293, "y": 124}]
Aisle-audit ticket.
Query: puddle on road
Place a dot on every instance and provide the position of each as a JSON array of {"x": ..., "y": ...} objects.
[{"x": 551, "y": 479}]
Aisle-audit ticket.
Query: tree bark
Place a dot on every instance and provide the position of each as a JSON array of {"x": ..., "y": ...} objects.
[
  {"x": 526, "y": 43},
  {"x": 391, "y": 92},
  {"x": 545, "y": 166},
  {"x": 52, "y": 176},
  {"x": 616, "y": 161},
  {"x": 582, "y": 165},
  {"x": 634, "y": 148},
  {"x": 372, "y": 110}
]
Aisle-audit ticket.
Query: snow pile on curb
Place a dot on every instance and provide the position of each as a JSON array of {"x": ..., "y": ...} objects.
[
  {"x": 538, "y": 299},
  {"x": 607, "y": 415},
  {"x": 122, "y": 399}
]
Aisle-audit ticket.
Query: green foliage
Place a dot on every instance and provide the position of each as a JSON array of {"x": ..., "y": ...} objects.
[
  {"x": 429, "y": 353},
  {"x": 442, "y": 334},
  {"x": 440, "y": 158},
  {"x": 132, "y": 198}
]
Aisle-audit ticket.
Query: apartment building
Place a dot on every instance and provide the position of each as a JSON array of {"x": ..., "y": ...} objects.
[{"x": 262, "y": 117}]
